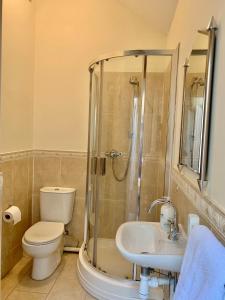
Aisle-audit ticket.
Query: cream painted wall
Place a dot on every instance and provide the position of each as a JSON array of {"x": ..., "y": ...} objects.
[
  {"x": 17, "y": 76},
  {"x": 190, "y": 16},
  {"x": 69, "y": 35}
]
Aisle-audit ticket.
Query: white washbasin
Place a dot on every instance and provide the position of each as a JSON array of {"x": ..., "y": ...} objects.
[{"x": 147, "y": 245}]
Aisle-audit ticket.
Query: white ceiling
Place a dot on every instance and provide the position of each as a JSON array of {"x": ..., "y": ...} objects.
[{"x": 158, "y": 13}]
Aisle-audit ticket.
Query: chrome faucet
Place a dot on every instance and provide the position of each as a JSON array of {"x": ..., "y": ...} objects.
[
  {"x": 174, "y": 227},
  {"x": 159, "y": 201}
]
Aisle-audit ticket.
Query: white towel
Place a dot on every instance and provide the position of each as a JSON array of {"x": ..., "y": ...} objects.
[{"x": 202, "y": 275}]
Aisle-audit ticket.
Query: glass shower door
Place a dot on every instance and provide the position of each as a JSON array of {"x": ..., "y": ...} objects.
[
  {"x": 116, "y": 202},
  {"x": 92, "y": 167},
  {"x": 128, "y": 150}
]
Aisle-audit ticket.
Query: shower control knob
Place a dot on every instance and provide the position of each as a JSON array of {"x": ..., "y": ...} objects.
[{"x": 113, "y": 154}]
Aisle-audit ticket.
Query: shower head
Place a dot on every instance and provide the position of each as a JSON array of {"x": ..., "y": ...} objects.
[
  {"x": 133, "y": 80},
  {"x": 197, "y": 81}
]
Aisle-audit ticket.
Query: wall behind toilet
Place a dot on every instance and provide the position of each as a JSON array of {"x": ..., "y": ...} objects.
[
  {"x": 68, "y": 36},
  {"x": 61, "y": 168},
  {"x": 16, "y": 122},
  {"x": 47, "y": 45}
]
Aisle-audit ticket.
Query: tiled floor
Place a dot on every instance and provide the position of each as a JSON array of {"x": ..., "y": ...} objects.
[{"x": 62, "y": 285}]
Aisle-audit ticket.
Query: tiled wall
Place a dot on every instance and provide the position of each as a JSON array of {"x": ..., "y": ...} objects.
[
  {"x": 65, "y": 169},
  {"x": 68, "y": 169},
  {"x": 17, "y": 190},
  {"x": 115, "y": 196},
  {"x": 116, "y": 202},
  {"x": 24, "y": 173},
  {"x": 188, "y": 199}
]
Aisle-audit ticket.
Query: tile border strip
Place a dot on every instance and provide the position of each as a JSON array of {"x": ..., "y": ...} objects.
[
  {"x": 15, "y": 155},
  {"x": 62, "y": 153},
  {"x": 34, "y": 153},
  {"x": 57, "y": 153}
]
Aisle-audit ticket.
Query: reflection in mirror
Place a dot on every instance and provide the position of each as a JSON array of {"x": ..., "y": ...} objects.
[
  {"x": 194, "y": 90},
  {"x": 196, "y": 108}
]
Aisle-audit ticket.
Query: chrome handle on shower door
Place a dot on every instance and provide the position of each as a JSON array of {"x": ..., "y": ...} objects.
[
  {"x": 94, "y": 161},
  {"x": 98, "y": 165},
  {"x": 102, "y": 166}
]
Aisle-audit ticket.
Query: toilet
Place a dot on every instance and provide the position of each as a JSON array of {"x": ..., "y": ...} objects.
[{"x": 43, "y": 241}]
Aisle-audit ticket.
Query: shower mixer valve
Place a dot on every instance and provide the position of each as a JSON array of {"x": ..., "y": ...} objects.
[{"x": 113, "y": 154}]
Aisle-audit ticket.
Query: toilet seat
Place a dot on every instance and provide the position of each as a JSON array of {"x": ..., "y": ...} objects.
[{"x": 43, "y": 233}]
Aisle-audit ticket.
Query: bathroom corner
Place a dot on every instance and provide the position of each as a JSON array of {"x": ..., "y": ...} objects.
[{"x": 111, "y": 140}]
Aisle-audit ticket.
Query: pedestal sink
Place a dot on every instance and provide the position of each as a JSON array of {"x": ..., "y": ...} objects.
[{"x": 147, "y": 245}]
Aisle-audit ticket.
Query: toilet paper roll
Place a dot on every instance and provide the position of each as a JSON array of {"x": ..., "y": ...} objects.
[{"x": 12, "y": 215}]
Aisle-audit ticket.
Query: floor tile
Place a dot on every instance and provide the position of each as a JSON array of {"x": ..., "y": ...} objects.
[
  {"x": 62, "y": 285},
  {"x": 89, "y": 297},
  {"x": 27, "y": 284},
  {"x": 17, "y": 295},
  {"x": 67, "y": 286},
  {"x": 66, "y": 289},
  {"x": 14, "y": 276},
  {"x": 70, "y": 263}
]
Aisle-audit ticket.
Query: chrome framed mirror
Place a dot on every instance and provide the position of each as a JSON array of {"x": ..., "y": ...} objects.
[{"x": 196, "y": 107}]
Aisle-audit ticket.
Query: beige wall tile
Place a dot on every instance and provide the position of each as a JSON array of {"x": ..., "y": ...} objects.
[
  {"x": 30, "y": 189},
  {"x": 7, "y": 170},
  {"x": 73, "y": 174},
  {"x": 111, "y": 216},
  {"x": 76, "y": 226},
  {"x": 15, "y": 192},
  {"x": 46, "y": 172},
  {"x": 106, "y": 132},
  {"x": 110, "y": 188},
  {"x": 35, "y": 207},
  {"x": 184, "y": 207}
]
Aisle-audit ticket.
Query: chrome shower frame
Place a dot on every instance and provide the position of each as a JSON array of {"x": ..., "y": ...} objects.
[{"x": 174, "y": 54}]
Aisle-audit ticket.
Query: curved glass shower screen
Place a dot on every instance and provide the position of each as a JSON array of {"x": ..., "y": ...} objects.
[{"x": 128, "y": 137}]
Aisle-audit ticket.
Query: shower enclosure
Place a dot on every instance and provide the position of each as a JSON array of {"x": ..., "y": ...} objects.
[{"x": 132, "y": 100}]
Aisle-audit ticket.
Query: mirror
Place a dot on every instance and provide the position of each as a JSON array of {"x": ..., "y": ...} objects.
[
  {"x": 193, "y": 102},
  {"x": 197, "y": 92}
]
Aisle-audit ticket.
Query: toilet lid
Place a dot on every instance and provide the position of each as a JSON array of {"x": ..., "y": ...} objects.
[{"x": 43, "y": 232}]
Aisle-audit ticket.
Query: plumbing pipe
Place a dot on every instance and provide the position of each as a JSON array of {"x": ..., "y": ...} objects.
[
  {"x": 155, "y": 282},
  {"x": 71, "y": 249},
  {"x": 144, "y": 289},
  {"x": 152, "y": 282}
]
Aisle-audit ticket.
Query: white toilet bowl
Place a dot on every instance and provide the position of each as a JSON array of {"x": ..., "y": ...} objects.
[{"x": 44, "y": 242}]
